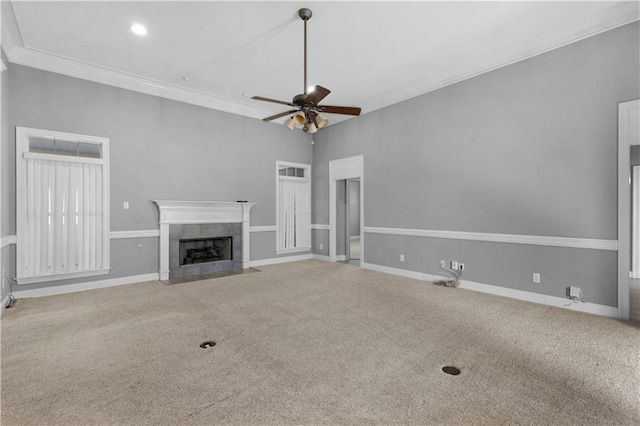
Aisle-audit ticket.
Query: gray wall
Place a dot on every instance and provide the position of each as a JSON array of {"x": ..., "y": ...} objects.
[
  {"x": 160, "y": 149},
  {"x": 354, "y": 208},
  {"x": 530, "y": 148}
]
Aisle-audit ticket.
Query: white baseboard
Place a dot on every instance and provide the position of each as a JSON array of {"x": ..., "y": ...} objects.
[
  {"x": 321, "y": 257},
  {"x": 72, "y": 288},
  {"x": 341, "y": 258},
  {"x": 560, "y": 302},
  {"x": 4, "y": 304},
  {"x": 276, "y": 260}
]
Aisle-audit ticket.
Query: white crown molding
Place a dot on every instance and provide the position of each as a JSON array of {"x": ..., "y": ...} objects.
[
  {"x": 582, "y": 243},
  {"x": 72, "y": 288},
  {"x": 278, "y": 260},
  {"x": 19, "y": 53},
  {"x": 11, "y": 35},
  {"x": 8, "y": 240},
  {"x": 147, "y": 233},
  {"x": 415, "y": 89},
  {"x": 86, "y": 71},
  {"x": 320, "y": 227},
  {"x": 269, "y": 228},
  {"x": 559, "y": 302}
]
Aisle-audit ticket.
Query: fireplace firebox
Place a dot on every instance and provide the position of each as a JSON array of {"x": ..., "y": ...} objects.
[{"x": 204, "y": 250}]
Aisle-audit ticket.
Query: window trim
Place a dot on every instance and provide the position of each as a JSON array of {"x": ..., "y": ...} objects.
[
  {"x": 307, "y": 171},
  {"x": 22, "y": 153}
]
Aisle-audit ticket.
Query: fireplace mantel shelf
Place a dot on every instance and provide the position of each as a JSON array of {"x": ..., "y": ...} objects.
[{"x": 201, "y": 212}]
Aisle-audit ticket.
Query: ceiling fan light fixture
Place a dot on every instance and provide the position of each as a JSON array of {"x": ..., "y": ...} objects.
[
  {"x": 321, "y": 120},
  {"x": 290, "y": 124},
  {"x": 310, "y": 128},
  {"x": 299, "y": 118}
]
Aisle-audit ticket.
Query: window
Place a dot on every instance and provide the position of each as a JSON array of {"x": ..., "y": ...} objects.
[
  {"x": 293, "y": 207},
  {"x": 62, "y": 205}
]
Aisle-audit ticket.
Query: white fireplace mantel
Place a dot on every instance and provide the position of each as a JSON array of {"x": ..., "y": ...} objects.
[{"x": 200, "y": 212}]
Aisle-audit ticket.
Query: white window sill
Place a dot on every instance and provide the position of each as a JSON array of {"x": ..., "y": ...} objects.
[
  {"x": 293, "y": 250},
  {"x": 64, "y": 276}
]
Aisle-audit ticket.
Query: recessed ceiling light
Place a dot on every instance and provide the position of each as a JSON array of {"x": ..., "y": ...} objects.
[
  {"x": 186, "y": 78},
  {"x": 246, "y": 95},
  {"x": 139, "y": 29}
]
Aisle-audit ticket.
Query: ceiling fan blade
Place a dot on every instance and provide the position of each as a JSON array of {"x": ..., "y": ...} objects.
[
  {"x": 260, "y": 98},
  {"x": 282, "y": 114},
  {"x": 339, "y": 109},
  {"x": 318, "y": 94}
]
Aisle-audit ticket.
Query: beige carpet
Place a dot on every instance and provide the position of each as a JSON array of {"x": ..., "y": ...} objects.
[{"x": 312, "y": 342}]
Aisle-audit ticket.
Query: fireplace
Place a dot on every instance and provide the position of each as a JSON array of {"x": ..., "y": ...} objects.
[
  {"x": 204, "y": 250},
  {"x": 202, "y": 237}
]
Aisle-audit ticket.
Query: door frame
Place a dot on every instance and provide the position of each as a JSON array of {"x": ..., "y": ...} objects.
[
  {"x": 625, "y": 140},
  {"x": 344, "y": 168}
]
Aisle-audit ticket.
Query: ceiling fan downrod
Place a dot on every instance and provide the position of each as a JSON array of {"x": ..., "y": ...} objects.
[{"x": 305, "y": 14}]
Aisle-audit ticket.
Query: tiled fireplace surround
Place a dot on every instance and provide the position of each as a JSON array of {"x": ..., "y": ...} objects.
[{"x": 202, "y": 219}]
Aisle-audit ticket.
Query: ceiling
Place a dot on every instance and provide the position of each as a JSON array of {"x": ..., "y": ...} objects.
[{"x": 369, "y": 54}]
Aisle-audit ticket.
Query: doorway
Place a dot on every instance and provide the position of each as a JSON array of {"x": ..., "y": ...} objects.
[
  {"x": 352, "y": 228},
  {"x": 346, "y": 210},
  {"x": 628, "y": 138}
]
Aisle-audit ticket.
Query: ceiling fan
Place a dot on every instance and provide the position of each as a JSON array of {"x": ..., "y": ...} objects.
[{"x": 307, "y": 112}]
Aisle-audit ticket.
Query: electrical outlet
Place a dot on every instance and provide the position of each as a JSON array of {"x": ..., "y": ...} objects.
[
  {"x": 125, "y": 205},
  {"x": 461, "y": 266},
  {"x": 321, "y": 246},
  {"x": 402, "y": 258},
  {"x": 454, "y": 265},
  {"x": 443, "y": 263},
  {"x": 575, "y": 292},
  {"x": 536, "y": 278}
]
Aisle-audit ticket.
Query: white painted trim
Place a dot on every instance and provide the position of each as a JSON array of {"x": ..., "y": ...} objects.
[
  {"x": 293, "y": 250},
  {"x": 99, "y": 74},
  {"x": 321, "y": 257},
  {"x": 341, "y": 258},
  {"x": 277, "y": 260},
  {"x": 7, "y": 241},
  {"x": 559, "y": 302},
  {"x": 146, "y": 233},
  {"x": 3, "y": 66},
  {"x": 72, "y": 288},
  {"x": 63, "y": 276},
  {"x": 583, "y": 243},
  {"x": 626, "y": 138},
  {"x": 320, "y": 227},
  {"x": 344, "y": 168},
  {"x": 635, "y": 228},
  {"x": 266, "y": 228}
]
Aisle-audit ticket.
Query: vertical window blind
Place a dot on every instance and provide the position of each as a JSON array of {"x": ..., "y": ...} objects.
[
  {"x": 294, "y": 214},
  {"x": 62, "y": 213}
]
